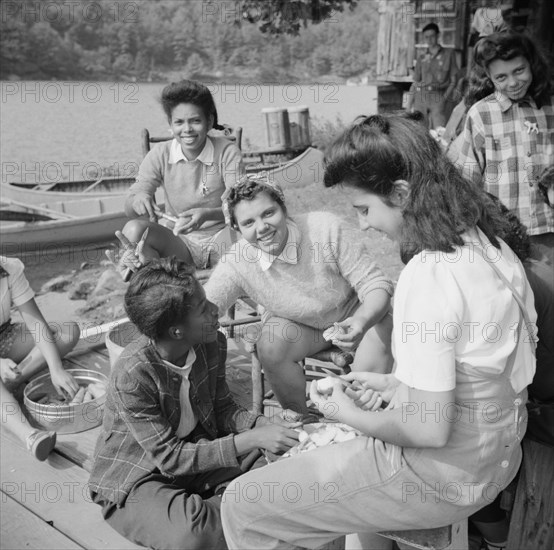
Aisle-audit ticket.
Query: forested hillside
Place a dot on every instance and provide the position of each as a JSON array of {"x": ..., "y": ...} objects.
[{"x": 163, "y": 39}]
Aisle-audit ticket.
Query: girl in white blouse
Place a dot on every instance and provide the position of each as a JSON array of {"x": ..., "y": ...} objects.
[{"x": 449, "y": 440}]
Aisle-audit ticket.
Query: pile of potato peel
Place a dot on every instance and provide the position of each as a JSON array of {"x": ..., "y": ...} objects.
[{"x": 313, "y": 436}]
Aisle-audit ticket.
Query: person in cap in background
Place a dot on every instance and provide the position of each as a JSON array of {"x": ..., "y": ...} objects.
[{"x": 435, "y": 78}]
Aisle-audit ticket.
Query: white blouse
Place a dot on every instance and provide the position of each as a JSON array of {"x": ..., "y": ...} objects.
[{"x": 452, "y": 309}]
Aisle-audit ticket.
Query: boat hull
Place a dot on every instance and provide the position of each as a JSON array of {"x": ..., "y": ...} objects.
[
  {"x": 303, "y": 170},
  {"x": 45, "y": 194},
  {"x": 20, "y": 238}
]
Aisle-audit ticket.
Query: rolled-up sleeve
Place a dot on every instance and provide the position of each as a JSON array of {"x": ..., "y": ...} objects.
[
  {"x": 355, "y": 262},
  {"x": 232, "y": 167},
  {"x": 471, "y": 160},
  {"x": 151, "y": 172},
  {"x": 223, "y": 288},
  {"x": 20, "y": 289}
]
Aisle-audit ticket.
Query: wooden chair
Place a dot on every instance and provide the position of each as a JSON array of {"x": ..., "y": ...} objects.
[{"x": 333, "y": 359}]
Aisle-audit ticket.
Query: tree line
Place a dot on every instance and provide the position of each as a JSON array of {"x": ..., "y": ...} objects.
[{"x": 160, "y": 39}]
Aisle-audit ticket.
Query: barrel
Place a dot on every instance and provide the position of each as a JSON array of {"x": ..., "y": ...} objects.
[
  {"x": 119, "y": 337},
  {"x": 276, "y": 127},
  {"x": 299, "y": 124}
]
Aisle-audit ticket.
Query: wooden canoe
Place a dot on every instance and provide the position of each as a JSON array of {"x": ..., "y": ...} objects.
[
  {"x": 65, "y": 191},
  {"x": 303, "y": 170},
  {"x": 74, "y": 224}
]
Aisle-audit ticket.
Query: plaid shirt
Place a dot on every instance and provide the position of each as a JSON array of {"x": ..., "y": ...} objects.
[
  {"x": 142, "y": 413},
  {"x": 506, "y": 146}
]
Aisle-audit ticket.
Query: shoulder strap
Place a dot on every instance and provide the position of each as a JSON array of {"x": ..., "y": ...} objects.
[{"x": 515, "y": 293}]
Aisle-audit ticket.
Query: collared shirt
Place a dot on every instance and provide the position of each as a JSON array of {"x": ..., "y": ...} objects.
[
  {"x": 506, "y": 146},
  {"x": 188, "y": 418},
  {"x": 206, "y": 156},
  {"x": 289, "y": 254},
  {"x": 190, "y": 184},
  {"x": 436, "y": 71}
]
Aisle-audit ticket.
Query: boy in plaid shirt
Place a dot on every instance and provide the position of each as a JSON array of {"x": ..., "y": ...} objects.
[{"x": 508, "y": 138}]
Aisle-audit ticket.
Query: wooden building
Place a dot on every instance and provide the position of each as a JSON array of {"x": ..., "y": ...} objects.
[{"x": 401, "y": 23}]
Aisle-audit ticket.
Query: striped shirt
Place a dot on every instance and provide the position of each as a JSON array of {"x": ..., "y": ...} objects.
[{"x": 506, "y": 146}]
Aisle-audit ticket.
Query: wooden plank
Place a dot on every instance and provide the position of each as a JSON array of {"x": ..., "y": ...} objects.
[
  {"x": 23, "y": 529},
  {"x": 57, "y": 491},
  {"x": 532, "y": 521},
  {"x": 79, "y": 448}
]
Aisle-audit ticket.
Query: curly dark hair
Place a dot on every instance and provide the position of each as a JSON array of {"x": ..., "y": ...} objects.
[
  {"x": 159, "y": 294},
  {"x": 515, "y": 233},
  {"x": 479, "y": 86},
  {"x": 379, "y": 150},
  {"x": 507, "y": 46},
  {"x": 247, "y": 190},
  {"x": 189, "y": 91}
]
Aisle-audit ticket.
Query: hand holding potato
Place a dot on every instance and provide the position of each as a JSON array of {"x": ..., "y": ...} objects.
[
  {"x": 352, "y": 331},
  {"x": 276, "y": 438},
  {"x": 334, "y": 406},
  {"x": 190, "y": 220},
  {"x": 143, "y": 205},
  {"x": 384, "y": 384}
]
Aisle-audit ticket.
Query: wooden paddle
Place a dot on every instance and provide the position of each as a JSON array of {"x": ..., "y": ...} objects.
[
  {"x": 93, "y": 185},
  {"x": 102, "y": 329}
]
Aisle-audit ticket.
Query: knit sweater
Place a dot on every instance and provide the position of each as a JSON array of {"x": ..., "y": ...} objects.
[
  {"x": 192, "y": 184},
  {"x": 333, "y": 274}
]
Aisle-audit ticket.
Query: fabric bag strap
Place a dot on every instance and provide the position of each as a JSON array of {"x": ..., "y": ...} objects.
[{"x": 515, "y": 293}]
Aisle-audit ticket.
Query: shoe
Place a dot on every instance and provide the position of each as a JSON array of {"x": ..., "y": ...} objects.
[{"x": 41, "y": 443}]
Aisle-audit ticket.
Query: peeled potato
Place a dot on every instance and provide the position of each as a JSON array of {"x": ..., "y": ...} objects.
[
  {"x": 302, "y": 435},
  {"x": 325, "y": 385},
  {"x": 332, "y": 332},
  {"x": 78, "y": 397},
  {"x": 324, "y": 437},
  {"x": 97, "y": 389}
]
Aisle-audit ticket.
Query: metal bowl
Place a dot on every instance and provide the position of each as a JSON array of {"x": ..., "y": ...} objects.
[{"x": 65, "y": 419}]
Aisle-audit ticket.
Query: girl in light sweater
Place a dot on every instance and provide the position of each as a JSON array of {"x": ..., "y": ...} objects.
[
  {"x": 309, "y": 273},
  {"x": 193, "y": 169}
]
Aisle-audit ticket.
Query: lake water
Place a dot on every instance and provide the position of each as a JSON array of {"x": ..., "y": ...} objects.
[
  {"x": 70, "y": 130},
  {"x": 73, "y": 130}
]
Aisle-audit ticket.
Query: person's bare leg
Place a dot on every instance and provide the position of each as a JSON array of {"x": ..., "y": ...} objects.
[
  {"x": 12, "y": 415},
  {"x": 281, "y": 346},
  {"x": 27, "y": 355},
  {"x": 160, "y": 242}
]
